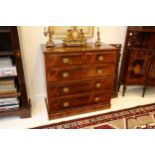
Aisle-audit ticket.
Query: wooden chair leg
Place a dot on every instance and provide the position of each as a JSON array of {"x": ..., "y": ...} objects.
[
  {"x": 124, "y": 89},
  {"x": 144, "y": 90}
]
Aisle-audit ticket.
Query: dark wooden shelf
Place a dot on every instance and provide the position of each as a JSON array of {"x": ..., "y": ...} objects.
[
  {"x": 8, "y": 77},
  {"x": 6, "y": 53},
  {"x": 4, "y": 31},
  {"x": 9, "y": 95},
  {"x": 136, "y": 48},
  {"x": 23, "y": 112},
  {"x": 141, "y": 29},
  {"x": 140, "y": 48}
]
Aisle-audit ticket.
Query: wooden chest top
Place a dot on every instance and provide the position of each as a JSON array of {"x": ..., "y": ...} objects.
[{"x": 90, "y": 47}]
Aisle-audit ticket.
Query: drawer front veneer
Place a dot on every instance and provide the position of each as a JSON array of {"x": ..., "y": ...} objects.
[
  {"x": 63, "y": 60},
  {"x": 79, "y": 101},
  {"x": 70, "y": 88},
  {"x": 75, "y": 73}
]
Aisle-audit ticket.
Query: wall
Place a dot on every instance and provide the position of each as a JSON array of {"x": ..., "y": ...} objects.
[{"x": 31, "y": 38}]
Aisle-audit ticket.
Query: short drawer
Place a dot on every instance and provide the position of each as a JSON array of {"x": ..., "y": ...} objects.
[
  {"x": 65, "y": 74},
  {"x": 104, "y": 71},
  {"x": 101, "y": 57},
  {"x": 71, "y": 88},
  {"x": 76, "y": 73},
  {"x": 80, "y": 101},
  {"x": 63, "y": 60}
]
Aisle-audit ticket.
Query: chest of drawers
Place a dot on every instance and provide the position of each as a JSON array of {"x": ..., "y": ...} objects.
[{"x": 79, "y": 79}]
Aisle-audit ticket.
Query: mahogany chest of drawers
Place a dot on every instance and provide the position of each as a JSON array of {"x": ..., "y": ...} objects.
[{"x": 79, "y": 79}]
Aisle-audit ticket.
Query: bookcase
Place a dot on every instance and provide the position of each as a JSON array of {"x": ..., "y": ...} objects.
[
  {"x": 138, "y": 63},
  {"x": 13, "y": 94}
]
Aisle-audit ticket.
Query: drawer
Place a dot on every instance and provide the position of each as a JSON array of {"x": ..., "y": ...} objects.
[
  {"x": 65, "y": 74},
  {"x": 76, "y": 73},
  {"x": 100, "y": 57},
  {"x": 104, "y": 71},
  {"x": 71, "y": 88},
  {"x": 63, "y": 60},
  {"x": 80, "y": 101}
]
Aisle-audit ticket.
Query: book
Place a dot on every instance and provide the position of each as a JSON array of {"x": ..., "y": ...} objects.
[
  {"x": 8, "y": 104},
  {"x": 5, "y": 62},
  {"x": 8, "y": 71},
  {"x": 5, "y": 104},
  {"x": 7, "y": 87},
  {"x": 6, "y": 82},
  {"x": 8, "y": 108},
  {"x": 6, "y": 101}
]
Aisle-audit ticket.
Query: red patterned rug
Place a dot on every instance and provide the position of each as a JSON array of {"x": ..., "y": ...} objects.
[{"x": 140, "y": 117}]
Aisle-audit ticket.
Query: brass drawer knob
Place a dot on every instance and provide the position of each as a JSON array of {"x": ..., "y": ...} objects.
[
  {"x": 99, "y": 71},
  {"x": 98, "y": 85},
  {"x": 66, "y": 104},
  {"x": 96, "y": 99},
  {"x": 65, "y": 74},
  {"x": 66, "y": 90},
  {"x": 65, "y": 60},
  {"x": 100, "y": 58}
]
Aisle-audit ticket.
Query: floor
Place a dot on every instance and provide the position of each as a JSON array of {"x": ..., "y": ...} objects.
[{"x": 39, "y": 113}]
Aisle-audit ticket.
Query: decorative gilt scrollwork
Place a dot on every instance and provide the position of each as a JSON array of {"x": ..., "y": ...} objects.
[
  {"x": 98, "y": 41},
  {"x": 75, "y": 37},
  {"x": 49, "y": 32}
]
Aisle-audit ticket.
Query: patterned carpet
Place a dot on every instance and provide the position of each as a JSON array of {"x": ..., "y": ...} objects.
[{"x": 140, "y": 117}]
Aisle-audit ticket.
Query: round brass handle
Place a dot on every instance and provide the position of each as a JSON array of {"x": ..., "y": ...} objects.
[
  {"x": 98, "y": 85},
  {"x": 66, "y": 90},
  {"x": 66, "y": 104},
  {"x": 65, "y": 60},
  {"x": 100, "y": 58},
  {"x": 99, "y": 71},
  {"x": 96, "y": 99},
  {"x": 65, "y": 74}
]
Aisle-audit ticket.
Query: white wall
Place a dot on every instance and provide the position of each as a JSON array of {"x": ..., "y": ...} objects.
[{"x": 31, "y": 37}]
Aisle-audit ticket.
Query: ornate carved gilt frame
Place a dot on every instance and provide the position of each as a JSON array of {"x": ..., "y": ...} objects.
[{"x": 60, "y": 32}]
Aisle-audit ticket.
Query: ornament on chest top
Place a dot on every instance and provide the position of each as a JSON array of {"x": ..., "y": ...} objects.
[
  {"x": 50, "y": 33},
  {"x": 98, "y": 41},
  {"x": 75, "y": 37}
]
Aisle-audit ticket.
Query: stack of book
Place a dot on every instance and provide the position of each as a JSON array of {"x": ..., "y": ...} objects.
[
  {"x": 8, "y": 104},
  {"x": 7, "y": 87},
  {"x": 7, "y": 68}
]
